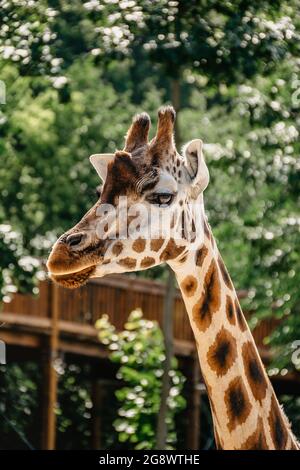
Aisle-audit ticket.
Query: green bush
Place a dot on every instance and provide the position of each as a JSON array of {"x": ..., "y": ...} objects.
[{"x": 139, "y": 351}]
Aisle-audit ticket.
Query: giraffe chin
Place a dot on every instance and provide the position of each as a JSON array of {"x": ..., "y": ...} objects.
[{"x": 73, "y": 280}]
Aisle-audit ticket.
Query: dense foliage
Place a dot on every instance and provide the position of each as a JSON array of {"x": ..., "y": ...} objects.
[
  {"x": 18, "y": 405},
  {"x": 21, "y": 411},
  {"x": 139, "y": 352},
  {"x": 256, "y": 205}
]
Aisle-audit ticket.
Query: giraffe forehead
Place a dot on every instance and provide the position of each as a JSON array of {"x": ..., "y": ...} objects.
[
  {"x": 126, "y": 175},
  {"x": 137, "y": 174}
]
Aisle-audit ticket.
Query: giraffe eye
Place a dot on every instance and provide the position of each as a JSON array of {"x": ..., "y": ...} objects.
[{"x": 161, "y": 199}]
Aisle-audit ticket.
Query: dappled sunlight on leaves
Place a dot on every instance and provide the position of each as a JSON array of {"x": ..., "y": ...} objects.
[{"x": 139, "y": 352}]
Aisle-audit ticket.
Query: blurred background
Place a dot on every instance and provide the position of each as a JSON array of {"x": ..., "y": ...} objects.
[{"x": 73, "y": 73}]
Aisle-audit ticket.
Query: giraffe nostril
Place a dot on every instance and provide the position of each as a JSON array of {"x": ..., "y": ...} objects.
[{"x": 75, "y": 239}]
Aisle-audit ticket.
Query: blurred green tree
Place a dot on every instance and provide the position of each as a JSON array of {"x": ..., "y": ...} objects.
[
  {"x": 18, "y": 405},
  {"x": 255, "y": 209},
  {"x": 26, "y": 36},
  {"x": 139, "y": 350},
  {"x": 73, "y": 68},
  {"x": 223, "y": 40}
]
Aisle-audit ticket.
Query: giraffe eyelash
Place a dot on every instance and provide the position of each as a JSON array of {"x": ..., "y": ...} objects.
[
  {"x": 146, "y": 182},
  {"x": 161, "y": 199}
]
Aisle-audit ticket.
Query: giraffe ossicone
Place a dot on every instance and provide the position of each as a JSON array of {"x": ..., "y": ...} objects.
[{"x": 151, "y": 211}]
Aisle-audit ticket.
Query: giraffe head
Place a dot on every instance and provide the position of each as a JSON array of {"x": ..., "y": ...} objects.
[{"x": 146, "y": 210}]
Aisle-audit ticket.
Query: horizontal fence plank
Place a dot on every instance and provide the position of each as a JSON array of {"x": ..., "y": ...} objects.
[{"x": 116, "y": 296}]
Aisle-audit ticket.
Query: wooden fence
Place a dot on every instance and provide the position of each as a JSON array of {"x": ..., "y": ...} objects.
[
  {"x": 116, "y": 296},
  {"x": 62, "y": 321}
]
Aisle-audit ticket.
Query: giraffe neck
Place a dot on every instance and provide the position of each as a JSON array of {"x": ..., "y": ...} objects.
[{"x": 245, "y": 410}]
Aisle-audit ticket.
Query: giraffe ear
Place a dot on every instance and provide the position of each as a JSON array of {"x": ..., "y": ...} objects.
[
  {"x": 100, "y": 162},
  {"x": 196, "y": 166}
]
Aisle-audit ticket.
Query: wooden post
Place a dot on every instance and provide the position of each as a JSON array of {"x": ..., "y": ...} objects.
[
  {"x": 49, "y": 377},
  {"x": 193, "y": 408},
  {"x": 97, "y": 399}
]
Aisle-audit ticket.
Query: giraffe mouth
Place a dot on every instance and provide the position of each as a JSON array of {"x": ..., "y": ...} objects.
[{"x": 73, "y": 280}]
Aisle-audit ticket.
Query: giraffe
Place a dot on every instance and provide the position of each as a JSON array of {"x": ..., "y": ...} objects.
[{"x": 153, "y": 176}]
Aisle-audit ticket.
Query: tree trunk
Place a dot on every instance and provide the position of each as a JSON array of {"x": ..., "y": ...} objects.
[{"x": 162, "y": 429}]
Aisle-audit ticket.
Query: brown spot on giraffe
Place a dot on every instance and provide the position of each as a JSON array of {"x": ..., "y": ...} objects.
[
  {"x": 238, "y": 406},
  {"x": 201, "y": 254},
  {"x": 156, "y": 244},
  {"x": 147, "y": 262},
  {"x": 183, "y": 225},
  {"x": 189, "y": 285},
  {"x": 222, "y": 353},
  {"x": 278, "y": 427},
  {"x": 224, "y": 273},
  {"x": 254, "y": 371},
  {"x": 173, "y": 221},
  {"x": 257, "y": 440},
  {"x": 139, "y": 245},
  {"x": 117, "y": 248},
  {"x": 193, "y": 234},
  {"x": 240, "y": 316},
  {"x": 210, "y": 300},
  {"x": 171, "y": 251},
  {"x": 129, "y": 263},
  {"x": 230, "y": 313}
]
